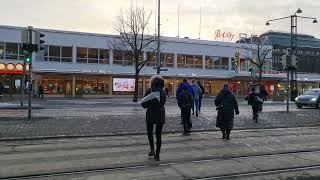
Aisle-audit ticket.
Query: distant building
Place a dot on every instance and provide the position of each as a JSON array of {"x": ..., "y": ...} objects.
[
  {"x": 83, "y": 64},
  {"x": 308, "y": 50}
]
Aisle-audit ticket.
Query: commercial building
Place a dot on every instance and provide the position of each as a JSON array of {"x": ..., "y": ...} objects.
[{"x": 84, "y": 64}]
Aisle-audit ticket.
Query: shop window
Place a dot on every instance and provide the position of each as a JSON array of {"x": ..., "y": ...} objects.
[
  {"x": 217, "y": 62},
  {"x": 225, "y": 63},
  {"x": 11, "y": 51},
  {"x": 66, "y": 54},
  {"x": 198, "y": 61},
  {"x": 46, "y": 53},
  {"x": 209, "y": 62},
  {"x": 54, "y": 53},
  {"x": 93, "y": 55},
  {"x": 117, "y": 57},
  {"x": 151, "y": 59},
  {"x": 1, "y": 50},
  {"x": 166, "y": 59},
  {"x": 128, "y": 58},
  {"x": 181, "y": 60},
  {"x": 104, "y": 56},
  {"x": 82, "y": 55}
]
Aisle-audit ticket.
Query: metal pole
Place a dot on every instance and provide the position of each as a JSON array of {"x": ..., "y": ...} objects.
[
  {"x": 23, "y": 82},
  {"x": 30, "y": 72},
  {"x": 288, "y": 72},
  {"x": 158, "y": 49}
]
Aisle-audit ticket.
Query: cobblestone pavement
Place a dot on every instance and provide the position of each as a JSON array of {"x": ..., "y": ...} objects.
[{"x": 121, "y": 116}]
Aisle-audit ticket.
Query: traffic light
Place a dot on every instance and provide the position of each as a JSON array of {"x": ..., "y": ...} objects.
[
  {"x": 294, "y": 61},
  {"x": 39, "y": 40},
  {"x": 28, "y": 59},
  {"x": 236, "y": 59}
]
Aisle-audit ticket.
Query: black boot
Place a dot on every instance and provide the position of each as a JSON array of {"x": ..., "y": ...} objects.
[
  {"x": 157, "y": 157},
  {"x": 151, "y": 153},
  {"x": 223, "y": 135},
  {"x": 228, "y": 135}
]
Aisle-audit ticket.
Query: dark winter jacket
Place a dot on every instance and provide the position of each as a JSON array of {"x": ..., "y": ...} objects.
[
  {"x": 179, "y": 90},
  {"x": 185, "y": 100},
  {"x": 156, "y": 114},
  {"x": 227, "y": 105},
  {"x": 252, "y": 101}
]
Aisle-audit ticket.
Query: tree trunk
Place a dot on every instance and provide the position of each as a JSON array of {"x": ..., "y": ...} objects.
[
  {"x": 260, "y": 74},
  {"x": 136, "y": 87}
]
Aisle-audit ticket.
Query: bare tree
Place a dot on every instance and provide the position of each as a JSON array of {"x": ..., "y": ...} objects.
[
  {"x": 258, "y": 53},
  {"x": 133, "y": 40}
]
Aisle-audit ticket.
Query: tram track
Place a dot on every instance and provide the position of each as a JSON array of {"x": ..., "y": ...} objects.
[{"x": 168, "y": 163}]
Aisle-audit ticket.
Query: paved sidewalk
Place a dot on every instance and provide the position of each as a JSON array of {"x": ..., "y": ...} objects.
[{"x": 110, "y": 117}]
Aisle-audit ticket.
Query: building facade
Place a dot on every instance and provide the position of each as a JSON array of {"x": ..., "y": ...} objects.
[{"x": 84, "y": 64}]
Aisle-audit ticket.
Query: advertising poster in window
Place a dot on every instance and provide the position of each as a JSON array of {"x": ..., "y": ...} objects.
[{"x": 123, "y": 85}]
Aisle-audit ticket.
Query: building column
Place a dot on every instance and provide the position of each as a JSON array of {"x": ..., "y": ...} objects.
[
  {"x": 230, "y": 63},
  {"x": 175, "y": 61},
  {"x": 175, "y": 86},
  {"x": 110, "y": 86},
  {"x": 73, "y": 87},
  {"x": 74, "y": 55},
  {"x": 111, "y": 57},
  {"x": 143, "y": 86},
  {"x": 203, "y": 62}
]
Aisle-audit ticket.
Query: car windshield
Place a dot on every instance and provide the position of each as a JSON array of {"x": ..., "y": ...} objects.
[{"x": 312, "y": 92}]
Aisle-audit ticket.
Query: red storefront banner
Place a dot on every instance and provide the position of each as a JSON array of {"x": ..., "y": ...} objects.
[{"x": 11, "y": 72}]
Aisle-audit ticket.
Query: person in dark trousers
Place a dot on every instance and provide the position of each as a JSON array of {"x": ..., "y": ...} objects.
[
  {"x": 185, "y": 104},
  {"x": 167, "y": 91},
  {"x": 1, "y": 90},
  {"x": 40, "y": 90},
  {"x": 263, "y": 92},
  {"x": 200, "y": 98},
  {"x": 252, "y": 101},
  {"x": 226, "y": 105},
  {"x": 197, "y": 93},
  {"x": 156, "y": 115}
]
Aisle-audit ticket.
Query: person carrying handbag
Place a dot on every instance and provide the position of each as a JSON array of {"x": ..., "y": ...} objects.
[
  {"x": 155, "y": 114},
  {"x": 226, "y": 105}
]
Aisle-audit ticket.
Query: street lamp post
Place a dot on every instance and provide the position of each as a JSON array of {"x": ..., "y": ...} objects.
[{"x": 293, "y": 48}]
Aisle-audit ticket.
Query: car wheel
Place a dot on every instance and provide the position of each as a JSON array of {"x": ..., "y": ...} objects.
[{"x": 299, "y": 106}]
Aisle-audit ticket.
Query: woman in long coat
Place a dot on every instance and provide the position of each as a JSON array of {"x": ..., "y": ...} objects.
[
  {"x": 156, "y": 115},
  {"x": 226, "y": 105}
]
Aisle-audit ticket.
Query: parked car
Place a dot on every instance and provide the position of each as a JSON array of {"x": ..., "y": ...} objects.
[{"x": 309, "y": 98}]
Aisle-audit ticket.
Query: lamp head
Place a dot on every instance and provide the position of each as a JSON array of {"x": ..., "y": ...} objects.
[
  {"x": 315, "y": 21},
  {"x": 267, "y": 24},
  {"x": 299, "y": 11}
]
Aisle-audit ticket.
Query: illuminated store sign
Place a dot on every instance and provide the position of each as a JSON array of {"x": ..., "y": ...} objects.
[
  {"x": 11, "y": 68},
  {"x": 221, "y": 35}
]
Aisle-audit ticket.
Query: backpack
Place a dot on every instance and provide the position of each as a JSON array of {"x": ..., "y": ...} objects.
[{"x": 185, "y": 100}]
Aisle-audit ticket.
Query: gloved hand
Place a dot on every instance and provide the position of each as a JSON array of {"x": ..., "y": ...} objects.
[{"x": 237, "y": 112}]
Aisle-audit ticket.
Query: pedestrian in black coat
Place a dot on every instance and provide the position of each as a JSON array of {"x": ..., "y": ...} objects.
[
  {"x": 156, "y": 115},
  {"x": 201, "y": 96},
  {"x": 226, "y": 105}
]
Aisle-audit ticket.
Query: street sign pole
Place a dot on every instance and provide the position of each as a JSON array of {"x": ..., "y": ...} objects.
[{"x": 30, "y": 30}]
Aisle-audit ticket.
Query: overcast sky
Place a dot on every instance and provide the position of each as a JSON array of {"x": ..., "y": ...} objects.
[{"x": 98, "y": 16}]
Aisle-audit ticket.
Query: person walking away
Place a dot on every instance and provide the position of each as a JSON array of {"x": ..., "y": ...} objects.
[
  {"x": 185, "y": 104},
  {"x": 197, "y": 93},
  {"x": 263, "y": 92},
  {"x": 181, "y": 85},
  {"x": 167, "y": 91},
  {"x": 256, "y": 103},
  {"x": 1, "y": 90},
  {"x": 226, "y": 105},
  {"x": 155, "y": 115},
  {"x": 40, "y": 91},
  {"x": 202, "y": 94}
]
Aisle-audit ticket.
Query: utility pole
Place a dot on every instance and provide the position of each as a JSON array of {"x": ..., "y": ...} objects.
[
  {"x": 30, "y": 30},
  {"x": 158, "y": 49}
]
